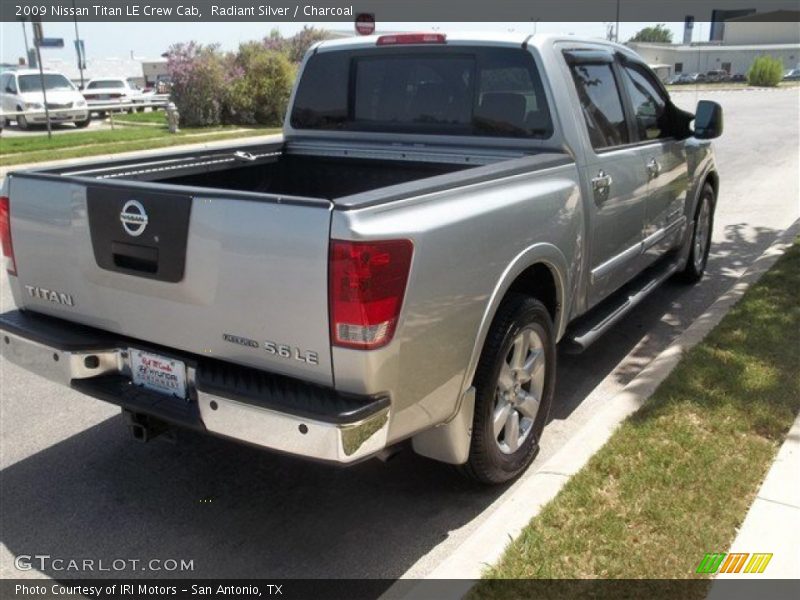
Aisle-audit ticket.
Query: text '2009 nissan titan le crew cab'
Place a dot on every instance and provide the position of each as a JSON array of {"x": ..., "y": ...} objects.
[{"x": 440, "y": 212}]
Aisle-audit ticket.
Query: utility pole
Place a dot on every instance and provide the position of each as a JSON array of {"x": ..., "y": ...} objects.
[
  {"x": 77, "y": 43},
  {"x": 37, "y": 40},
  {"x": 25, "y": 37}
]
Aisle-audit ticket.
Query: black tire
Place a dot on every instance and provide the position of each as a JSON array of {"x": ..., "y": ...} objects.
[
  {"x": 83, "y": 124},
  {"x": 487, "y": 463},
  {"x": 101, "y": 114},
  {"x": 22, "y": 122},
  {"x": 698, "y": 257}
]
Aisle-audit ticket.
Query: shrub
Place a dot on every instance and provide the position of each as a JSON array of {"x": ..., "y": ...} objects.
[
  {"x": 300, "y": 42},
  {"x": 199, "y": 83},
  {"x": 260, "y": 90},
  {"x": 765, "y": 71}
]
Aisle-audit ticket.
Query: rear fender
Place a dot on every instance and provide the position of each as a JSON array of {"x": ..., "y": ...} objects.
[{"x": 450, "y": 441}]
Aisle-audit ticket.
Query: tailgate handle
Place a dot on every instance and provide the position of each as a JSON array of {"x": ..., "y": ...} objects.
[{"x": 134, "y": 257}]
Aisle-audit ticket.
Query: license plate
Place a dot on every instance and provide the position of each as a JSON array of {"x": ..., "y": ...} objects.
[{"x": 158, "y": 373}]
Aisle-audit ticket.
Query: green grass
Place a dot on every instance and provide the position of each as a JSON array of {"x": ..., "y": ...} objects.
[
  {"x": 36, "y": 148},
  {"x": 156, "y": 116},
  {"x": 677, "y": 478}
]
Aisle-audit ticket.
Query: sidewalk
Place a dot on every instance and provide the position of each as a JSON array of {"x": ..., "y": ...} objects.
[{"x": 772, "y": 524}]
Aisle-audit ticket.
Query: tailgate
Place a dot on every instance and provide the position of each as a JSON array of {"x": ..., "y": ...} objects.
[{"x": 236, "y": 276}]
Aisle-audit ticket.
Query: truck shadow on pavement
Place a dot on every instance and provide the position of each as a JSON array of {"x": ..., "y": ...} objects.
[
  {"x": 237, "y": 511},
  {"x": 630, "y": 346}
]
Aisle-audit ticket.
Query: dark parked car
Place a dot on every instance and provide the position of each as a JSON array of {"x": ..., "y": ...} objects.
[
  {"x": 792, "y": 75},
  {"x": 680, "y": 79},
  {"x": 739, "y": 77},
  {"x": 717, "y": 76}
]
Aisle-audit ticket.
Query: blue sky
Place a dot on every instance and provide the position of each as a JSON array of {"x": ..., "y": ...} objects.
[{"x": 149, "y": 40}]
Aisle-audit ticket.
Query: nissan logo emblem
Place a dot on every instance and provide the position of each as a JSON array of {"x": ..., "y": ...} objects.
[{"x": 134, "y": 218}]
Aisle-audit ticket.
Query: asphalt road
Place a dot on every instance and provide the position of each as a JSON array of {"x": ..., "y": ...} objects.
[{"x": 74, "y": 485}]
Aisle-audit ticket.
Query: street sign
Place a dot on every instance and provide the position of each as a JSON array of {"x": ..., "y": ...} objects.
[
  {"x": 51, "y": 43},
  {"x": 365, "y": 24}
]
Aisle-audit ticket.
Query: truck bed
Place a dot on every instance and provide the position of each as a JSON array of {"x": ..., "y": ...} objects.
[
  {"x": 348, "y": 179},
  {"x": 269, "y": 169}
]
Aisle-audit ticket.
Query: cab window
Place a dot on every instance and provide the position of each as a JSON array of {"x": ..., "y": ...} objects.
[
  {"x": 601, "y": 104},
  {"x": 649, "y": 104}
]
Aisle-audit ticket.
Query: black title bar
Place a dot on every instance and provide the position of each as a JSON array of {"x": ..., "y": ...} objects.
[{"x": 387, "y": 11}]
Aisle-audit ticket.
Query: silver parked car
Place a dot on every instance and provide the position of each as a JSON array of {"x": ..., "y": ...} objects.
[
  {"x": 100, "y": 93},
  {"x": 441, "y": 212}
]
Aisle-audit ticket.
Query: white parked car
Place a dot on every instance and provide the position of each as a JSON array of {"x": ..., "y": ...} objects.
[
  {"x": 111, "y": 90},
  {"x": 21, "y": 92}
]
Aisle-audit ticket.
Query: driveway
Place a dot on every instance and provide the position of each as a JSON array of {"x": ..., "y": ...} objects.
[{"x": 74, "y": 484}]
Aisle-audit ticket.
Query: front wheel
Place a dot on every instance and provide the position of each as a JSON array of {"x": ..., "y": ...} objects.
[
  {"x": 514, "y": 385},
  {"x": 22, "y": 122},
  {"x": 701, "y": 237},
  {"x": 83, "y": 124}
]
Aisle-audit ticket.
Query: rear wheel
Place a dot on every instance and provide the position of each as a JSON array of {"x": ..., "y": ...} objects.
[
  {"x": 701, "y": 237},
  {"x": 514, "y": 386}
]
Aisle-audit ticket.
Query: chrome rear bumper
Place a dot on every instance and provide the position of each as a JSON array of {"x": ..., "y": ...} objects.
[{"x": 250, "y": 406}]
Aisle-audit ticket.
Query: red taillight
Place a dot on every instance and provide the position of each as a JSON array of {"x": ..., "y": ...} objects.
[
  {"x": 5, "y": 236},
  {"x": 412, "y": 38},
  {"x": 367, "y": 281}
]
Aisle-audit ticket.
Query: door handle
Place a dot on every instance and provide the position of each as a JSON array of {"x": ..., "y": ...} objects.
[
  {"x": 601, "y": 184},
  {"x": 653, "y": 168}
]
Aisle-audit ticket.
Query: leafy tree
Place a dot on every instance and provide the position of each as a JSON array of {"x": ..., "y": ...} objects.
[
  {"x": 765, "y": 71},
  {"x": 248, "y": 87},
  {"x": 261, "y": 91},
  {"x": 657, "y": 33},
  {"x": 199, "y": 79},
  {"x": 299, "y": 43}
]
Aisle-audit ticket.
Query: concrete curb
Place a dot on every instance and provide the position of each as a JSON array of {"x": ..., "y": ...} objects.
[
  {"x": 773, "y": 522},
  {"x": 256, "y": 139},
  {"x": 486, "y": 544}
]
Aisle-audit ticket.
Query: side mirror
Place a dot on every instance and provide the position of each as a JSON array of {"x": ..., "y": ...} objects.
[{"x": 708, "y": 120}]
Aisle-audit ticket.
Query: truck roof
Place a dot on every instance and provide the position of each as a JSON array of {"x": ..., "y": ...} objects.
[{"x": 490, "y": 38}]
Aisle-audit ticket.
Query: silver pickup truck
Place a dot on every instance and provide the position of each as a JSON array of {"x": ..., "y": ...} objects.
[{"x": 441, "y": 211}]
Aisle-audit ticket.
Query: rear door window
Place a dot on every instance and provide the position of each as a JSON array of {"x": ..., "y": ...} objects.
[
  {"x": 601, "y": 104},
  {"x": 438, "y": 91}
]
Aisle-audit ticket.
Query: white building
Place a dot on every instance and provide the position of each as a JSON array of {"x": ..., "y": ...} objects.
[
  {"x": 744, "y": 38},
  {"x": 701, "y": 58},
  {"x": 778, "y": 27}
]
